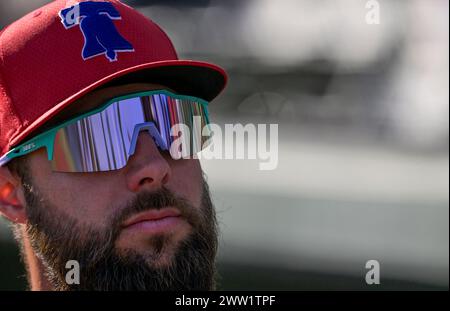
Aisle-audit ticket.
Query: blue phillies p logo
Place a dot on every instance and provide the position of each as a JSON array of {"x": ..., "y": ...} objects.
[{"x": 96, "y": 23}]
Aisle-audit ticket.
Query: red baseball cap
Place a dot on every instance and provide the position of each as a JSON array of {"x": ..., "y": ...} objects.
[{"x": 67, "y": 48}]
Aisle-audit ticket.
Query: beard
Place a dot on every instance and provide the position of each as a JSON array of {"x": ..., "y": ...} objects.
[{"x": 57, "y": 238}]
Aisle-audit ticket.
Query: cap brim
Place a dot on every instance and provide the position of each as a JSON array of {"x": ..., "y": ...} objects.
[{"x": 195, "y": 78}]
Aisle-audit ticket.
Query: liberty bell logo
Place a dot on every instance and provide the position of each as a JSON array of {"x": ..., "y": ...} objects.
[{"x": 96, "y": 23}]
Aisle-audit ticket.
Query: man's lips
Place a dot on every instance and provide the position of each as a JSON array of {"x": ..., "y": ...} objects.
[
  {"x": 152, "y": 215},
  {"x": 154, "y": 221}
]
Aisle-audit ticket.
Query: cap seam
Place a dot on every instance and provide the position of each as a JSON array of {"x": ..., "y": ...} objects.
[
  {"x": 163, "y": 33},
  {"x": 167, "y": 37},
  {"x": 157, "y": 26}
]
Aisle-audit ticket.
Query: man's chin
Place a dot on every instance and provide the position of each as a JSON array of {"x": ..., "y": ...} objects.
[{"x": 157, "y": 251}]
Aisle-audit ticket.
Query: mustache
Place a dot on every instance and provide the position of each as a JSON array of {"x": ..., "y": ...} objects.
[{"x": 157, "y": 200}]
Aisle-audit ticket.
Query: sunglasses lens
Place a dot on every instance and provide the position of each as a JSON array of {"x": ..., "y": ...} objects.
[{"x": 103, "y": 141}]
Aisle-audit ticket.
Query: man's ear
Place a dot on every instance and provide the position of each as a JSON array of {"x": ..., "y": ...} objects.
[{"x": 12, "y": 200}]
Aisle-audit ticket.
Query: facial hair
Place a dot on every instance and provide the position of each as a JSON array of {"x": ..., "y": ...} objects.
[{"x": 57, "y": 238}]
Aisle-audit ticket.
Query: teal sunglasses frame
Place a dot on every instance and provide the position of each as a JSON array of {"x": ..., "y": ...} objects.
[{"x": 46, "y": 139}]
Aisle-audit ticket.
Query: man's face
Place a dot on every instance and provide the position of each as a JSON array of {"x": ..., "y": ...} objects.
[{"x": 150, "y": 225}]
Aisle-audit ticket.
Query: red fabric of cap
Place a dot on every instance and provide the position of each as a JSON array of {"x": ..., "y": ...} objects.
[{"x": 42, "y": 69}]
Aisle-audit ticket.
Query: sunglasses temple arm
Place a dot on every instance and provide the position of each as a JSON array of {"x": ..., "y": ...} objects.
[
  {"x": 4, "y": 159},
  {"x": 45, "y": 140}
]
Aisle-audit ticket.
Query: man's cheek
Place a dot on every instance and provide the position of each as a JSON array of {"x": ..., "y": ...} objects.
[
  {"x": 92, "y": 205},
  {"x": 187, "y": 188}
]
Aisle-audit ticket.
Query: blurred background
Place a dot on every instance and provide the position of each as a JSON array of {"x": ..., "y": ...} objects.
[{"x": 363, "y": 114}]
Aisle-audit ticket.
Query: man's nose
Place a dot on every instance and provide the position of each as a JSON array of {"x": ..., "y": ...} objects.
[{"x": 147, "y": 168}]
